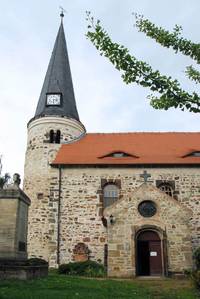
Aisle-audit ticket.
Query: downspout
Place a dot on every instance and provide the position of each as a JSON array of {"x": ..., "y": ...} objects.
[
  {"x": 58, "y": 220},
  {"x": 165, "y": 253}
]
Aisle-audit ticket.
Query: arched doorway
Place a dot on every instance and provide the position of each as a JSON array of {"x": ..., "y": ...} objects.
[{"x": 149, "y": 254}]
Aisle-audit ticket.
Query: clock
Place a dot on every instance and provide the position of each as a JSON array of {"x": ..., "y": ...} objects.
[{"x": 53, "y": 99}]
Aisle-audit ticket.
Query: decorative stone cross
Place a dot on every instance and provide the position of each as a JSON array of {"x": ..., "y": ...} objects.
[{"x": 145, "y": 176}]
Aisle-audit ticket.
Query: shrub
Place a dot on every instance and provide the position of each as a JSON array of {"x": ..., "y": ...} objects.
[
  {"x": 36, "y": 262},
  {"x": 195, "y": 274},
  {"x": 188, "y": 272},
  {"x": 196, "y": 256},
  {"x": 87, "y": 268},
  {"x": 196, "y": 278}
]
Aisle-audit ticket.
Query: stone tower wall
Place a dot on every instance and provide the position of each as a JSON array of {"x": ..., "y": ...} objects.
[{"x": 37, "y": 173}]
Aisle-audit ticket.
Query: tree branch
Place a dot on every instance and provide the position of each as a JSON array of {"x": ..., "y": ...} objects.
[
  {"x": 133, "y": 70},
  {"x": 170, "y": 40}
]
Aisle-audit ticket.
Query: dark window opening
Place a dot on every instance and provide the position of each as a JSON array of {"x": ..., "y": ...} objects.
[
  {"x": 51, "y": 136},
  {"x": 110, "y": 194},
  {"x": 54, "y": 137},
  {"x": 57, "y": 138}
]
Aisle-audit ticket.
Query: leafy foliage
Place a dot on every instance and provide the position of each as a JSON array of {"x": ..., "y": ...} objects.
[
  {"x": 196, "y": 256},
  {"x": 193, "y": 74},
  {"x": 28, "y": 262},
  {"x": 173, "y": 40},
  {"x": 134, "y": 70},
  {"x": 167, "y": 39},
  {"x": 196, "y": 278},
  {"x": 36, "y": 262},
  {"x": 195, "y": 274},
  {"x": 87, "y": 268}
]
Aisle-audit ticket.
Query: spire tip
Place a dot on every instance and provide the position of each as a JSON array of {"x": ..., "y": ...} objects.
[{"x": 62, "y": 12}]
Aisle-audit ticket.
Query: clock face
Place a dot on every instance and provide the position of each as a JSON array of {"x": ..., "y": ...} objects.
[{"x": 53, "y": 99}]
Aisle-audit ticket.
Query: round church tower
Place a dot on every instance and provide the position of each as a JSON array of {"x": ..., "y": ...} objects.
[{"x": 56, "y": 122}]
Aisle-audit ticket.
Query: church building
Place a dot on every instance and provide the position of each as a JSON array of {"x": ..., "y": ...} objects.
[{"x": 130, "y": 201}]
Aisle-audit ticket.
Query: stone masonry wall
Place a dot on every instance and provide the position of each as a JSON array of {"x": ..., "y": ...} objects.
[
  {"x": 81, "y": 203},
  {"x": 171, "y": 218},
  {"x": 38, "y": 179},
  {"x": 8, "y": 218}
]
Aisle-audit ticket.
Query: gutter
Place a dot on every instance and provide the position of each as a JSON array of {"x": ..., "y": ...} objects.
[{"x": 142, "y": 165}]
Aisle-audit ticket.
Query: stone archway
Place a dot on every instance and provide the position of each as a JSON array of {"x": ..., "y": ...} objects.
[{"x": 149, "y": 253}]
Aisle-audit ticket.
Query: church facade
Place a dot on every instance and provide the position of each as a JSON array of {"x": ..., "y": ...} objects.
[{"x": 128, "y": 200}]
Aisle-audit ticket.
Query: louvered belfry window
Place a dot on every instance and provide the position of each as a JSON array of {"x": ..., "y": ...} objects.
[
  {"x": 110, "y": 194},
  {"x": 54, "y": 137}
]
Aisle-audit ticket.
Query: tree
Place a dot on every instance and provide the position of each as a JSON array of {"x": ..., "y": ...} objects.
[{"x": 133, "y": 70}]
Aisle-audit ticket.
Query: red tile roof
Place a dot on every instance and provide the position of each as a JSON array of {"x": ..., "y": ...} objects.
[{"x": 143, "y": 148}]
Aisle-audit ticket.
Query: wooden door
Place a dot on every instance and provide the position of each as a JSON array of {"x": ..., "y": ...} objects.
[
  {"x": 155, "y": 257},
  {"x": 149, "y": 254}
]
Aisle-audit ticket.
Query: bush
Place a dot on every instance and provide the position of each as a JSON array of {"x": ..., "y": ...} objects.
[
  {"x": 188, "y": 272},
  {"x": 87, "y": 268},
  {"x": 36, "y": 262},
  {"x": 196, "y": 256},
  {"x": 195, "y": 274},
  {"x": 196, "y": 278}
]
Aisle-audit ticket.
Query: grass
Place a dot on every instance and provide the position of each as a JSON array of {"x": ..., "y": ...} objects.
[{"x": 65, "y": 287}]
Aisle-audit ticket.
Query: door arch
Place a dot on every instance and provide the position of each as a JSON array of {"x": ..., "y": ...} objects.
[{"x": 149, "y": 253}]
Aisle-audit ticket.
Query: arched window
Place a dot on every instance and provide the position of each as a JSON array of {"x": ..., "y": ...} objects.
[
  {"x": 57, "y": 139},
  {"x": 165, "y": 187},
  {"x": 110, "y": 194},
  {"x": 51, "y": 136},
  {"x": 54, "y": 137}
]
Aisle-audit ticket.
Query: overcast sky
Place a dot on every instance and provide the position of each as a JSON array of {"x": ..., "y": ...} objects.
[{"x": 27, "y": 33}]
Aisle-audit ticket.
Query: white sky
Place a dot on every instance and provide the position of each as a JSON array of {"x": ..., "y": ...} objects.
[{"x": 27, "y": 33}]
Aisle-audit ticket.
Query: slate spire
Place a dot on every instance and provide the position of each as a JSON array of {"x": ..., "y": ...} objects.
[{"x": 58, "y": 80}]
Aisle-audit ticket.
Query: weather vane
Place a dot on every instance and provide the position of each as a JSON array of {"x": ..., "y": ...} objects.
[{"x": 62, "y": 12}]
